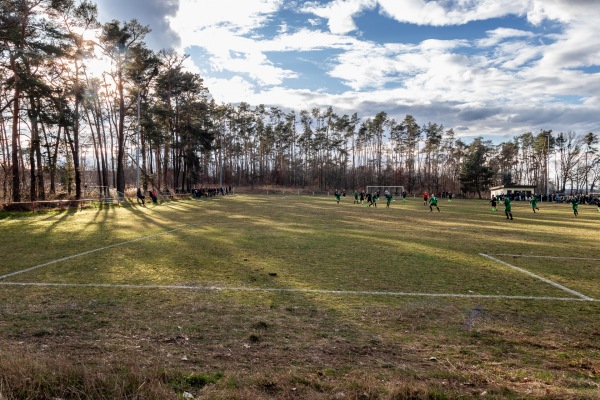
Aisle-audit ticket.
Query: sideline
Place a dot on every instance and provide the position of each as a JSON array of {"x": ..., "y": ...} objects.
[
  {"x": 95, "y": 250},
  {"x": 558, "y": 285},
  {"x": 289, "y": 290},
  {"x": 549, "y": 257}
]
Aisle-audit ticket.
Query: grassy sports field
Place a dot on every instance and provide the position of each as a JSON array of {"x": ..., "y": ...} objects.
[{"x": 297, "y": 297}]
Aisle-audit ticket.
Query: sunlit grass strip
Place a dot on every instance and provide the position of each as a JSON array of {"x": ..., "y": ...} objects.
[
  {"x": 296, "y": 290},
  {"x": 566, "y": 289},
  {"x": 85, "y": 253}
]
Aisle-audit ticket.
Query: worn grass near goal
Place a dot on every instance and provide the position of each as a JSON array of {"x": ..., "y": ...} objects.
[{"x": 299, "y": 297}]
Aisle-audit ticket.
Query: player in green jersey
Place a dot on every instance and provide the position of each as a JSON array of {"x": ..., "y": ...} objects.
[
  {"x": 534, "y": 201},
  {"x": 575, "y": 203},
  {"x": 404, "y": 196},
  {"x": 337, "y": 196},
  {"x": 356, "y": 197},
  {"x": 388, "y": 198},
  {"x": 433, "y": 202},
  {"x": 507, "y": 208}
]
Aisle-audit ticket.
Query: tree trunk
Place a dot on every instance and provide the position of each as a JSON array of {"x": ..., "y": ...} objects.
[
  {"x": 121, "y": 139},
  {"x": 16, "y": 182},
  {"x": 40, "y": 173}
]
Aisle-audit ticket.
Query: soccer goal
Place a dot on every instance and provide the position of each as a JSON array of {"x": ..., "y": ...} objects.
[
  {"x": 394, "y": 190},
  {"x": 102, "y": 192}
]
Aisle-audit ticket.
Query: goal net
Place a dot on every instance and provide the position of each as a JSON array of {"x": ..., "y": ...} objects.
[
  {"x": 97, "y": 192},
  {"x": 394, "y": 190}
]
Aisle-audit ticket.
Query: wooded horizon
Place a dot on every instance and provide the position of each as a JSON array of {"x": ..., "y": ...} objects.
[{"x": 62, "y": 128}]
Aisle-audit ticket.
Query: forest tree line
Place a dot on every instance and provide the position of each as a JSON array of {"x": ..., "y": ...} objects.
[{"x": 64, "y": 130}]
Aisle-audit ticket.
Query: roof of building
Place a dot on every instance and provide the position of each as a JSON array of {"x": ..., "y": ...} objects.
[{"x": 513, "y": 187}]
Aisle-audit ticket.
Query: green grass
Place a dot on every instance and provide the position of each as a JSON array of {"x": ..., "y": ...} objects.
[{"x": 416, "y": 341}]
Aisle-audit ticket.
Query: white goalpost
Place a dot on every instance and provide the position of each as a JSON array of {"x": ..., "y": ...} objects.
[
  {"x": 96, "y": 191},
  {"x": 394, "y": 190}
]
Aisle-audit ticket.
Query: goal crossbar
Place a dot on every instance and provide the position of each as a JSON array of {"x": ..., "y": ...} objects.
[{"x": 394, "y": 190}]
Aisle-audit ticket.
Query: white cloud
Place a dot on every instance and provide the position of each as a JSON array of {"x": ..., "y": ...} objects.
[
  {"x": 566, "y": 11},
  {"x": 231, "y": 90},
  {"x": 577, "y": 47},
  {"x": 339, "y": 13},
  {"x": 243, "y": 16},
  {"x": 445, "y": 12},
  {"x": 500, "y": 34},
  {"x": 307, "y": 40},
  {"x": 370, "y": 65},
  {"x": 515, "y": 55}
]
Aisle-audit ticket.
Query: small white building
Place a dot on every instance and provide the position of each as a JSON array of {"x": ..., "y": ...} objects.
[{"x": 525, "y": 191}]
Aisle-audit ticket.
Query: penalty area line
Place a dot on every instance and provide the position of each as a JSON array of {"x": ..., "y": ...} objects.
[
  {"x": 291, "y": 290},
  {"x": 541, "y": 278},
  {"x": 549, "y": 257},
  {"x": 94, "y": 251}
]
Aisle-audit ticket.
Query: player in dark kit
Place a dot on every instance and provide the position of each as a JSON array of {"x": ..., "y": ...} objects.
[{"x": 493, "y": 201}]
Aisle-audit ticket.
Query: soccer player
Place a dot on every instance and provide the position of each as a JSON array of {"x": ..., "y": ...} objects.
[
  {"x": 337, "y": 196},
  {"x": 362, "y": 197},
  {"x": 507, "y": 208},
  {"x": 433, "y": 202},
  {"x": 388, "y": 198},
  {"x": 534, "y": 201},
  {"x": 356, "y": 197},
  {"x": 404, "y": 197},
  {"x": 141, "y": 197},
  {"x": 493, "y": 201},
  {"x": 575, "y": 203},
  {"x": 425, "y": 197}
]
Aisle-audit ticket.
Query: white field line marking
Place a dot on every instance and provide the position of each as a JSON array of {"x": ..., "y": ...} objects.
[
  {"x": 290, "y": 290},
  {"x": 94, "y": 251},
  {"x": 558, "y": 285},
  {"x": 550, "y": 257}
]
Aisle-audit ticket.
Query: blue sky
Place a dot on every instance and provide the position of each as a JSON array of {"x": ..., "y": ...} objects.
[{"x": 482, "y": 67}]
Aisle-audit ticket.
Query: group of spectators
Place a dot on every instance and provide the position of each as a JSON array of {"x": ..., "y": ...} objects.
[
  {"x": 211, "y": 192},
  {"x": 583, "y": 198},
  {"x": 196, "y": 193},
  {"x": 555, "y": 198}
]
